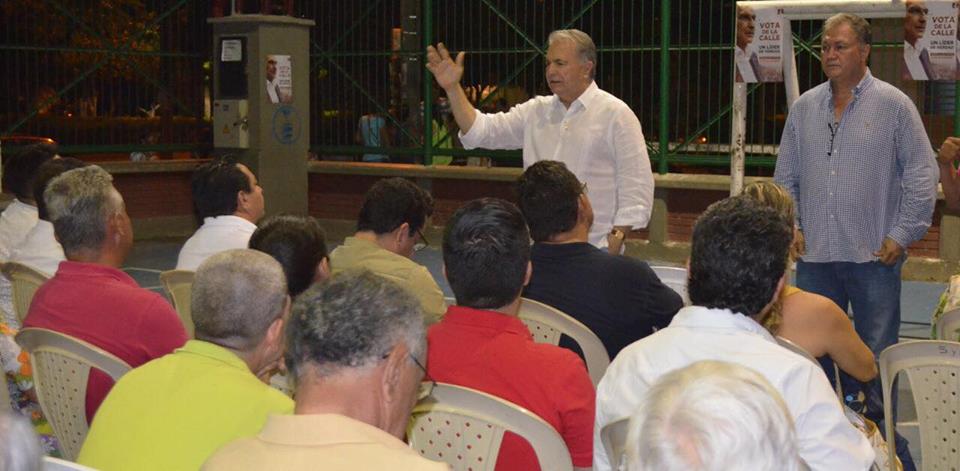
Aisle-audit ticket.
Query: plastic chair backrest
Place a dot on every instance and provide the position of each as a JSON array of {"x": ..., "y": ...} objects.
[
  {"x": 789, "y": 345},
  {"x": 675, "y": 278},
  {"x": 56, "y": 464},
  {"x": 948, "y": 326},
  {"x": 614, "y": 439},
  {"x": 464, "y": 428},
  {"x": 61, "y": 365},
  {"x": 547, "y": 323},
  {"x": 24, "y": 281},
  {"x": 177, "y": 284},
  {"x": 933, "y": 367}
]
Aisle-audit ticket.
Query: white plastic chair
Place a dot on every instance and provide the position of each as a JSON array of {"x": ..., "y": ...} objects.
[
  {"x": 24, "y": 282},
  {"x": 948, "y": 326},
  {"x": 61, "y": 365},
  {"x": 464, "y": 428},
  {"x": 933, "y": 367},
  {"x": 614, "y": 439},
  {"x": 675, "y": 278},
  {"x": 177, "y": 284},
  {"x": 547, "y": 323},
  {"x": 56, "y": 464}
]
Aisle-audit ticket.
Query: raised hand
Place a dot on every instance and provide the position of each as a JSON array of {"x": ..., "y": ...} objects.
[{"x": 446, "y": 70}]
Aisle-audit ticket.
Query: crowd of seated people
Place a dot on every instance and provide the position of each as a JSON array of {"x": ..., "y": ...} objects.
[{"x": 356, "y": 340}]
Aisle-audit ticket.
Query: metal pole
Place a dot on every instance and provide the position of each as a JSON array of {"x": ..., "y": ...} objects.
[
  {"x": 664, "y": 85},
  {"x": 790, "y": 81},
  {"x": 427, "y": 85}
]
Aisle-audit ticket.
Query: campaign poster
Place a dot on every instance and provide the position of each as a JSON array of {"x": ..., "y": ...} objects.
[
  {"x": 758, "y": 51},
  {"x": 930, "y": 40},
  {"x": 279, "y": 78}
]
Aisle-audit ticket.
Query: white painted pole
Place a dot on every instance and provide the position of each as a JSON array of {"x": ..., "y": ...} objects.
[
  {"x": 822, "y": 9},
  {"x": 790, "y": 80},
  {"x": 738, "y": 128}
]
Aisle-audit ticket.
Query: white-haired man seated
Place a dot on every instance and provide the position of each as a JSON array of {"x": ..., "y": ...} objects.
[
  {"x": 174, "y": 412},
  {"x": 356, "y": 346},
  {"x": 712, "y": 416}
]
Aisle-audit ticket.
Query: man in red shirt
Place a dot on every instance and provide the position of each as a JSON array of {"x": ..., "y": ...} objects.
[
  {"x": 481, "y": 344},
  {"x": 89, "y": 297}
]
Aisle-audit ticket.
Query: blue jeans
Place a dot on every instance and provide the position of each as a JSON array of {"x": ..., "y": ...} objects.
[{"x": 872, "y": 290}]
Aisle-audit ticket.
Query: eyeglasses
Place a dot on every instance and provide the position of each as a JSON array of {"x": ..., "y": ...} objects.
[
  {"x": 423, "y": 243},
  {"x": 426, "y": 387}
]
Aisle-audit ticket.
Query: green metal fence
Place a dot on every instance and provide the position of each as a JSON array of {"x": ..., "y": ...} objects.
[
  {"x": 89, "y": 73},
  {"x": 107, "y": 77},
  {"x": 671, "y": 61}
]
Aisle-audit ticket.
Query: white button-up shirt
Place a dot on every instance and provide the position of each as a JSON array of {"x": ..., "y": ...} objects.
[
  {"x": 15, "y": 222},
  {"x": 911, "y": 58},
  {"x": 826, "y": 439},
  {"x": 39, "y": 249},
  {"x": 216, "y": 235},
  {"x": 598, "y": 137}
]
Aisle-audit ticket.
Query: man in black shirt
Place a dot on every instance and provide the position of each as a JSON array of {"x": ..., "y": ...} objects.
[{"x": 619, "y": 298}]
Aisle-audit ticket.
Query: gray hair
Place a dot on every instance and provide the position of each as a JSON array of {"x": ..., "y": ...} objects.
[
  {"x": 711, "y": 416},
  {"x": 79, "y": 202},
  {"x": 585, "y": 47},
  {"x": 236, "y": 295},
  {"x": 859, "y": 26},
  {"x": 20, "y": 447},
  {"x": 351, "y": 321}
]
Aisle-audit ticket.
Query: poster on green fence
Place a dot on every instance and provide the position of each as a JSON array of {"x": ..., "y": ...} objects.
[
  {"x": 759, "y": 44},
  {"x": 930, "y": 40}
]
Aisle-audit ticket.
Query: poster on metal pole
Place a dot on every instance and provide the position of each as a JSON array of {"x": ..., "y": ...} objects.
[{"x": 758, "y": 50}]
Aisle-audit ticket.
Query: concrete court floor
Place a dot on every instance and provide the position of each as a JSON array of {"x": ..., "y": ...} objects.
[{"x": 918, "y": 299}]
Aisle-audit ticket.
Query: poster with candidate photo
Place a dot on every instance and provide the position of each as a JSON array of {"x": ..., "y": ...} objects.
[
  {"x": 930, "y": 40},
  {"x": 758, "y": 48}
]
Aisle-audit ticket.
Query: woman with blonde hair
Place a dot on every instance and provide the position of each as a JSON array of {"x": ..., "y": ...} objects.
[{"x": 812, "y": 321}]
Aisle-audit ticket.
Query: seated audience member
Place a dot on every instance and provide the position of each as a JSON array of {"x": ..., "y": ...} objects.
[
  {"x": 21, "y": 214},
  {"x": 20, "y": 447},
  {"x": 949, "y": 179},
  {"x": 90, "y": 298},
  {"x": 481, "y": 344},
  {"x": 229, "y": 202},
  {"x": 737, "y": 267},
  {"x": 389, "y": 230},
  {"x": 298, "y": 243},
  {"x": 810, "y": 320},
  {"x": 40, "y": 249},
  {"x": 619, "y": 298},
  {"x": 355, "y": 345},
  {"x": 173, "y": 413},
  {"x": 712, "y": 415}
]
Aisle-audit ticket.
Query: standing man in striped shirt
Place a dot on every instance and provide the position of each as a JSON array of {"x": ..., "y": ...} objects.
[{"x": 856, "y": 158}]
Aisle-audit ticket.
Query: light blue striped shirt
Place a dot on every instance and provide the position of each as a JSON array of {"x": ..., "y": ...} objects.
[{"x": 878, "y": 180}]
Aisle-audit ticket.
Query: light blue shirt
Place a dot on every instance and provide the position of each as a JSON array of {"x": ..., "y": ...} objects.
[{"x": 870, "y": 176}]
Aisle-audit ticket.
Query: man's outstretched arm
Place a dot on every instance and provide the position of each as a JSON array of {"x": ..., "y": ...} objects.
[{"x": 448, "y": 73}]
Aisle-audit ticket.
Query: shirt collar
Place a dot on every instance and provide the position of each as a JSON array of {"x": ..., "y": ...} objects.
[
  {"x": 585, "y": 99},
  {"x": 213, "y": 351},
  {"x": 228, "y": 220},
  {"x": 323, "y": 429},
  {"x": 699, "y": 317},
  {"x": 70, "y": 268},
  {"x": 861, "y": 87},
  {"x": 488, "y": 319}
]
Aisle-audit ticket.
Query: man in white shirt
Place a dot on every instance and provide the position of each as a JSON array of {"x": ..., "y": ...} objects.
[
  {"x": 593, "y": 132},
  {"x": 21, "y": 214},
  {"x": 273, "y": 90},
  {"x": 737, "y": 268},
  {"x": 229, "y": 201},
  {"x": 916, "y": 58},
  {"x": 40, "y": 249}
]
